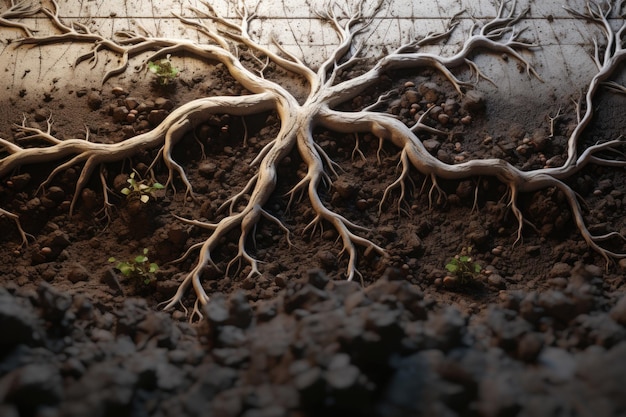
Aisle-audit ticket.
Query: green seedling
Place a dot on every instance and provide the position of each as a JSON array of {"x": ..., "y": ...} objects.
[
  {"x": 141, "y": 189},
  {"x": 164, "y": 71},
  {"x": 139, "y": 268},
  {"x": 462, "y": 267}
]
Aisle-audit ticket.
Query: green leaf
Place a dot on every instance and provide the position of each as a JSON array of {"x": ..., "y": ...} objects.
[
  {"x": 477, "y": 268},
  {"x": 145, "y": 251},
  {"x": 126, "y": 269},
  {"x": 144, "y": 198},
  {"x": 464, "y": 258},
  {"x": 111, "y": 259},
  {"x": 157, "y": 186},
  {"x": 125, "y": 191},
  {"x": 452, "y": 267},
  {"x": 153, "y": 267},
  {"x": 141, "y": 259}
]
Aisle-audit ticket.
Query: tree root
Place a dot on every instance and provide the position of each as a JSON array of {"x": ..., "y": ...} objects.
[{"x": 298, "y": 121}]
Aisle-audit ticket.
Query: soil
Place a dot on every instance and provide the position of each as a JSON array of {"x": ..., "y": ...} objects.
[{"x": 539, "y": 331}]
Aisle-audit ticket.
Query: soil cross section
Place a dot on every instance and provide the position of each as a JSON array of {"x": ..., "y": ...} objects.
[{"x": 319, "y": 106}]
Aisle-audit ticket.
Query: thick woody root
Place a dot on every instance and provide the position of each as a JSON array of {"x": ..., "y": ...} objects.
[
  {"x": 298, "y": 121},
  {"x": 92, "y": 154}
]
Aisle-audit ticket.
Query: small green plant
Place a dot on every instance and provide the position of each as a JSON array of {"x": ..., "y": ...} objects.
[
  {"x": 139, "y": 268},
  {"x": 164, "y": 70},
  {"x": 140, "y": 188},
  {"x": 462, "y": 268}
]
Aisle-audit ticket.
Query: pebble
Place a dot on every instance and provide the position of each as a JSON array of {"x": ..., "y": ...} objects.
[
  {"x": 164, "y": 103},
  {"x": 120, "y": 113},
  {"x": 443, "y": 118},
  {"x": 78, "y": 273},
  {"x": 430, "y": 91},
  {"x": 560, "y": 269},
  {"x": 118, "y": 91},
  {"x": 497, "y": 251},
  {"x": 412, "y": 96},
  {"x": 94, "y": 100},
  {"x": 131, "y": 103},
  {"x": 496, "y": 281},
  {"x": 156, "y": 116},
  {"x": 431, "y": 145},
  {"x": 473, "y": 101}
]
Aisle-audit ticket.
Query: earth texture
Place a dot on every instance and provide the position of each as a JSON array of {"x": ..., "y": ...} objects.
[{"x": 537, "y": 328}]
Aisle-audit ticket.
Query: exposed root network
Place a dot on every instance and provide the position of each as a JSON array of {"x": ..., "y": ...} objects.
[{"x": 220, "y": 39}]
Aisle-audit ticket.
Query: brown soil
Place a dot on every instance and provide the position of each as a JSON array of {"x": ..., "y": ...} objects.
[{"x": 551, "y": 281}]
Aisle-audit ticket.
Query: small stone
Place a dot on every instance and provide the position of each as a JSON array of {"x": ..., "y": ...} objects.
[
  {"x": 118, "y": 91},
  {"x": 449, "y": 281},
  {"x": 412, "y": 96},
  {"x": 120, "y": 113},
  {"x": 17, "y": 182},
  {"x": 156, "y": 116},
  {"x": 55, "y": 194},
  {"x": 164, "y": 103},
  {"x": 473, "y": 101},
  {"x": 362, "y": 204},
  {"x": 450, "y": 107},
  {"x": 560, "y": 269},
  {"x": 443, "y": 118},
  {"x": 344, "y": 188},
  {"x": 430, "y": 91},
  {"x": 444, "y": 157},
  {"x": 605, "y": 185},
  {"x": 207, "y": 169},
  {"x": 78, "y": 273},
  {"x": 94, "y": 100},
  {"x": 145, "y": 107},
  {"x": 431, "y": 145},
  {"x": 131, "y": 103},
  {"x": 496, "y": 281},
  {"x": 327, "y": 260}
]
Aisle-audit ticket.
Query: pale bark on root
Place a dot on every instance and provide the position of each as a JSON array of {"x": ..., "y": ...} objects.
[{"x": 298, "y": 120}]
